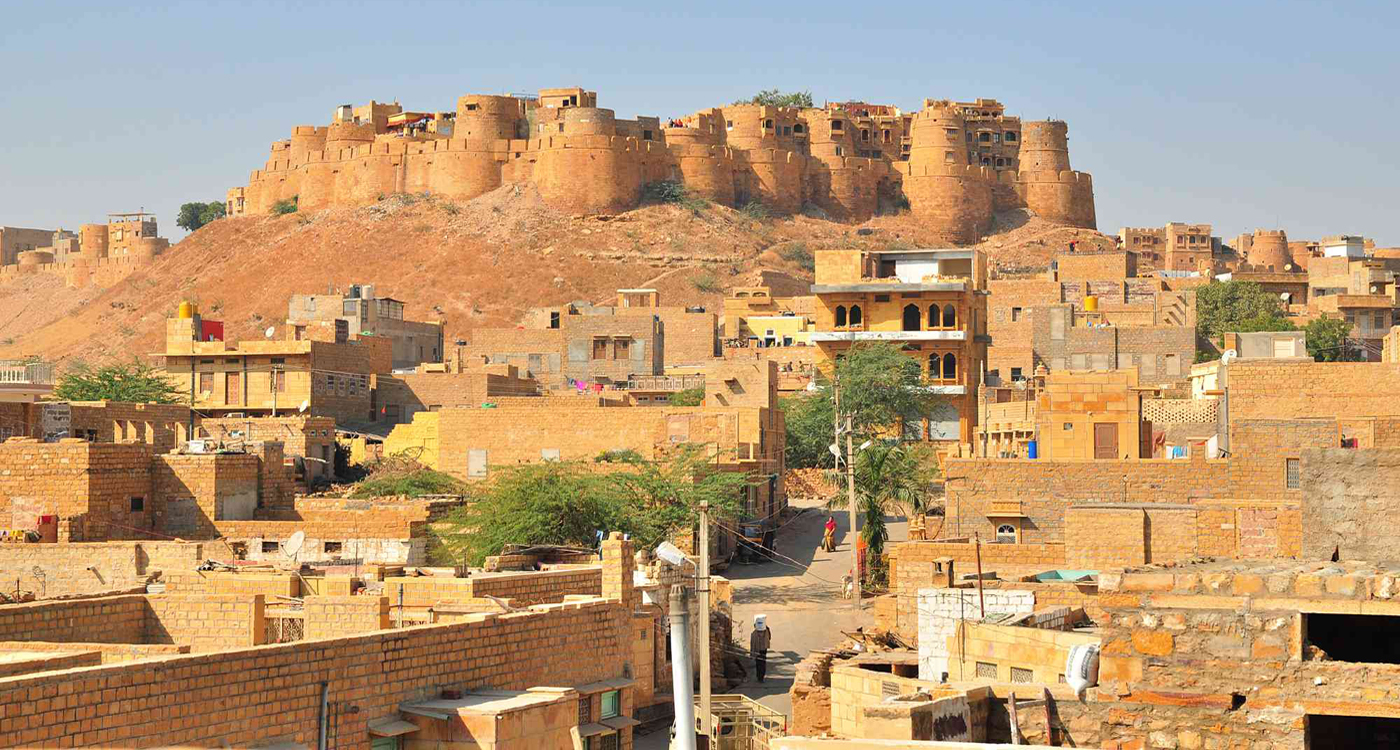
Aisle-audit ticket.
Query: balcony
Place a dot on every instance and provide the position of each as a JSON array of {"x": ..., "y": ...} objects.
[
  {"x": 19, "y": 372},
  {"x": 858, "y": 333},
  {"x": 664, "y": 382}
]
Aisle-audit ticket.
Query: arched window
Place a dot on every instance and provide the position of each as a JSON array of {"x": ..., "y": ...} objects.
[
  {"x": 911, "y": 317},
  {"x": 855, "y": 315},
  {"x": 950, "y": 367},
  {"x": 935, "y": 319},
  {"x": 935, "y": 366},
  {"x": 1006, "y": 533},
  {"x": 950, "y": 317},
  {"x": 840, "y": 316}
]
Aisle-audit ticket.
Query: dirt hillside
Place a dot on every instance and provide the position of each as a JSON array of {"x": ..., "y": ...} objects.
[{"x": 473, "y": 264}]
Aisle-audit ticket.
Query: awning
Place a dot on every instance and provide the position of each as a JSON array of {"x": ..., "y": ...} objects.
[
  {"x": 391, "y": 727},
  {"x": 591, "y": 730},
  {"x": 621, "y": 722}
]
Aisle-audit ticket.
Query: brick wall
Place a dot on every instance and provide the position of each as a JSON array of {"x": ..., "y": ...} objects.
[
  {"x": 1300, "y": 389},
  {"x": 89, "y": 486},
  {"x": 158, "y": 425},
  {"x": 195, "y": 490},
  {"x": 205, "y": 622},
  {"x": 1260, "y": 450},
  {"x": 691, "y": 337},
  {"x": 941, "y": 609},
  {"x": 1040, "y": 651},
  {"x": 522, "y": 588},
  {"x": 108, "y": 653},
  {"x": 339, "y": 616},
  {"x": 58, "y": 570},
  {"x": 47, "y": 661},
  {"x": 1347, "y": 495},
  {"x": 1046, "y": 488},
  {"x": 375, "y": 672},
  {"x": 374, "y": 531},
  {"x": 114, "y": 619}
]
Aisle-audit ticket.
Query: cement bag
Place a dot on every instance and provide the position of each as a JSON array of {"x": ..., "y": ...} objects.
[{"x": 1082, "y": 668}]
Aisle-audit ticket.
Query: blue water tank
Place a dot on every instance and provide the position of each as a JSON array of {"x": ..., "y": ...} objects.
[{"x": 1033, "y": 449}]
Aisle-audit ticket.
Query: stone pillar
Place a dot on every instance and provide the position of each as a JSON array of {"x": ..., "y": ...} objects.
[{"x": 618, "y": 556}]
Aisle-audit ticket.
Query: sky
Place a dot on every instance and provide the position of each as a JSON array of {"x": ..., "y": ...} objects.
[{"x": 1238, "y": 114}]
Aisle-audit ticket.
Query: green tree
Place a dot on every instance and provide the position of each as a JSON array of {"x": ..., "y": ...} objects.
[
  {"x": 133, "y": 382},
  {"x": 890, "y": 480},
  {"x": 1327, "y": 340},
  {"x": 810, "y": 421},
  {"x": 568, "y": 502},
  {"x": 1239, "y": 306},
  {"x": 413, "y": 484},
  {"x": 192, "y": 216},
  {"x": 688, "y": 397},
  {"x": 778, "y": 98}
]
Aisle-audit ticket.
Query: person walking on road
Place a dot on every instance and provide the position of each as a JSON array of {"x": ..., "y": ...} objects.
[
  {"x": 829, "y": 539},
  {"x": 759, "y": 642}
]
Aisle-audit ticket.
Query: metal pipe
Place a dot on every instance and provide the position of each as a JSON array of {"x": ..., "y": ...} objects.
[
  {"x": 682, "y": 690},
  {"x": 325, "y": 712}
]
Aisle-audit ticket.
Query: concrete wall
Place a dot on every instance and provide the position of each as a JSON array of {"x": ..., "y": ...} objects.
[{"x": 941, "y": 609}]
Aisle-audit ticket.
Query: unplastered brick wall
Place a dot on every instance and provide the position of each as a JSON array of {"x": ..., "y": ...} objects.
[
  {"x": 1249, "y": 529},
  {"x": 941, "y": 609},
  {"x": 47, "y": 661},
  {"x": 195, "y": 490},
  {"x": 339, "y": 616},
  {"x": 205, "y": 622},
  {"x": 108, "y": 653},
  {"x": 58, "y": 570},
  {"x": 251, "y": 697},
  {"x": 1302, "y": 389},
  {"x": 111, "y": 619},
  {"x": 160, "y": 425},
  {"x": 1045, "y": 489},
  {"x": 89, "y": 486},
  {"x": 1260, "y": 451},
  {"x": 379, "y": 530},
  {"x": 1114, "y": 535},
  {"x": 524, "y": 588},
  {"x": 1216, "y": 653}
]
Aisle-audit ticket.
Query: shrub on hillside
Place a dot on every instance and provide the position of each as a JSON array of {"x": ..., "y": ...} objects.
[{"x": 284, "y": 207}]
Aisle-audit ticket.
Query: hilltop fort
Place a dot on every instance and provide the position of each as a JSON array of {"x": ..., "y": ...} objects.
[{"x": 952, "y": 163}]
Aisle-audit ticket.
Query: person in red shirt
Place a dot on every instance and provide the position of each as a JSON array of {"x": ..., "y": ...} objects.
[{"x": 829, "y": 539}]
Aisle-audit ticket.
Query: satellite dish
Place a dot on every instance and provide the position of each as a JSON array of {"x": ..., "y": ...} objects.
[
  {"x": 1283, "y": 296},
  {"x": 270, "y": 330},
  {"x": 834, "y": 450},
  {"x": 304, "y": 406},
  {"x": 1288, "y": 266},
  {"x": 1227, "y": 356},
  {"x": 293, "y": 545}
]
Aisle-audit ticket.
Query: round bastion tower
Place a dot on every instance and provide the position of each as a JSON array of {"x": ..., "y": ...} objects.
[
  {"x": 1044, "y": 146},
  {"x": 92, "y": 241},
  {"x": 1269, "y": 249},
  {"x": 1046, "y": 183},
  {"x": 491, "y": 118},
  {"x": 942, "y": 188}
]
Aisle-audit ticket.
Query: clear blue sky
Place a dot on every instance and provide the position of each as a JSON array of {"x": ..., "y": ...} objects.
[{"x": 1243, "y": 115}]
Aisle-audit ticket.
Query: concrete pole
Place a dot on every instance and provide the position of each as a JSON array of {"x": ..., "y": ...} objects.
[
  {"x": 681, "y": 690},
  {"x": 703, "y": 589},
  {"x": 851, "y": 504}
]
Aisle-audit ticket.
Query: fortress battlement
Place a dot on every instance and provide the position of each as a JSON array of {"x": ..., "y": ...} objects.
[{"x": 954, "y": 162}]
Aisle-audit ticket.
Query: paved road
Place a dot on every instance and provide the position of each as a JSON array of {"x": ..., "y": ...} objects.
[
  {"x": 802, "y": 598},
  {"x": 805, "y": 608}
]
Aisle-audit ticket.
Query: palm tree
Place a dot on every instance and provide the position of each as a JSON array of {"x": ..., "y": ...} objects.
[{"x": 890, "y": 479}]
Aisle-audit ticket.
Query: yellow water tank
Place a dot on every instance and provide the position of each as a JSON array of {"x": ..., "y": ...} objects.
[
  {"x": 1091, "y": 303},
  {"x": 186, "y": 310}
]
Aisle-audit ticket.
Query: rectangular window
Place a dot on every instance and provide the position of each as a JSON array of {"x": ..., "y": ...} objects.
[
  {"x": 835, "y": 126},
  {"x": 549, "y": 454},
  {"x": 206, "y": 382},
  {"x": 1173, "y": 365},
  {"x": 882, "y": 298},
  {"x": 138, "y": 504},
  {"x": 600, "y": 348},
  {"x": 622, "y": 348},
  {"x": 1380, "y": 320},
  {"x": 985, "y": 670},
  {"x": 1021, "y": 675},
  {"x": 585, "y": 709},
  {"x": 332, "y": 548},
  {"x": 1292, "y": 474},
  {"x": 1364, "y": 639},
  {"x": 1016, "y": 374},
  {"x": 1015, "y": 314},
  {"x": 612, "y": 704},
  {"x": 270, "y": 548}
]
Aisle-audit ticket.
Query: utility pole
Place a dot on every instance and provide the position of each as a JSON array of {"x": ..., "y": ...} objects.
[
  {"x": 703, "y": 589},
  {"x": 276, "y": 371},
  {"x": 681, "y": 689},
  {"x": 851, "y": 504}
]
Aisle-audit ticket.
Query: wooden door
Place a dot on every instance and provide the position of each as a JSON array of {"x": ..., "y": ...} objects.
[
  {"x": 233, "y": 391},
  {"x": 1105, "y": 440}
]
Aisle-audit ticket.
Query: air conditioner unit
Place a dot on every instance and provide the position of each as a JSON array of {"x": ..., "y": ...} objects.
[{"x": 197, "y": 446}]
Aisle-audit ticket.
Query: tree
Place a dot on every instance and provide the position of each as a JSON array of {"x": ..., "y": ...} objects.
[
  {"x": 568, "y": 502},
  {"x": 890, "y": 480},
  {"x": 777, "y": 98},
  {"x": 192, "y": 216},
  {"x": 1327, "y": 340},
  {"x": 688, "y": 397},
  {"x": 134, "y": 382},
  {"x": 1239, "y": 306},
  {"x": 880, "y": 385}
]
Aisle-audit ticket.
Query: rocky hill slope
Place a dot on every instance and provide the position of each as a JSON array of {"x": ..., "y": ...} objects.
[{"x": 472, "y": 264}]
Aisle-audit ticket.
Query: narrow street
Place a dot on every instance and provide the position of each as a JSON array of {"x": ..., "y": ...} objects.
[{"x": 805, "y": 608}]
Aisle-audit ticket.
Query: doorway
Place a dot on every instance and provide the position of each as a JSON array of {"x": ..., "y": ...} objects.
[
  {"x": 911, "y": 317},
  {"x": 1105, "y": 440}
]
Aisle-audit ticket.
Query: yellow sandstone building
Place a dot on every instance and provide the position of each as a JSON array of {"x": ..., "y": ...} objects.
[{"x": 932, "y": 302}]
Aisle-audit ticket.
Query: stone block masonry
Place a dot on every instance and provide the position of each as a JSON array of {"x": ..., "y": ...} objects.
[
  {"x": 249, "y": 697},
  {"x": 59, "y": 570}
]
